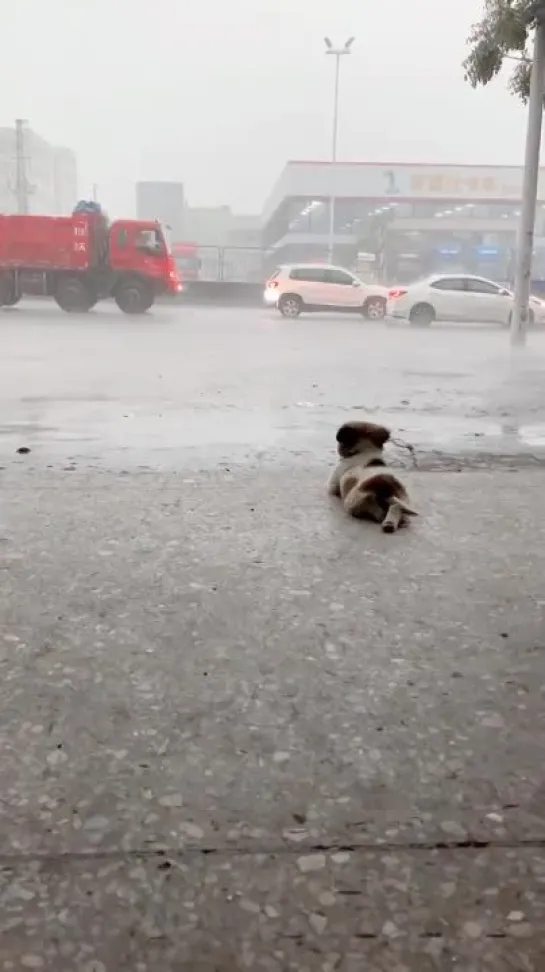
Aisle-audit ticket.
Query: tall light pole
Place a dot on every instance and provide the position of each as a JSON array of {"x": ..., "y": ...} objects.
[
  {"x": 337, "y": 53},
  {"x": 22, "y": 188},
  {"x": 525, "y": 236}
]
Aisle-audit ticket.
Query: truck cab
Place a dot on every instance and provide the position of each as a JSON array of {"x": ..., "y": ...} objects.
[{"x": 139, "y": 251}]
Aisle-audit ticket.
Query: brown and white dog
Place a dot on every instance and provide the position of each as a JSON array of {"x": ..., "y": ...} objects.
[{"x": 361, "y": 478}]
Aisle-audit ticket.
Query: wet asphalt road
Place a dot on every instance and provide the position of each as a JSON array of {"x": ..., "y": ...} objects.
[
  {"x": 241, "y": 730},
  {"x": 243, "y": 385}
]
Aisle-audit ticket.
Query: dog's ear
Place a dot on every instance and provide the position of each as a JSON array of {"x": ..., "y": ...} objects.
[
  {"x": 377, "y": 434},
  {"x": 348, "y": 435},
  {"x": 353, "y": 432}
]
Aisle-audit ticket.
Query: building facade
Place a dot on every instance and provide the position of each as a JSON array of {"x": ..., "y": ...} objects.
[
  {"x": 402, "y": 220},
  {"x": 50, "y": 170}
]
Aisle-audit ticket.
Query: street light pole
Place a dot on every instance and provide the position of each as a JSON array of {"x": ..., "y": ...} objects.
[
  {"x": 525, "y": 236},
  {"x": 337, "y": 53},
  {"x": 21, "y": 182}
]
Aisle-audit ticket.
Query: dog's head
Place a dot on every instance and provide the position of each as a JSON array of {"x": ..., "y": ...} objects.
[{"x": 356, "y": 437}]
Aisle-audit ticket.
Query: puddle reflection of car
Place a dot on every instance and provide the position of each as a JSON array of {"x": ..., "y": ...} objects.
[
  {"x": 457, "y": 297},
  {"x": 306, "y": 287}
]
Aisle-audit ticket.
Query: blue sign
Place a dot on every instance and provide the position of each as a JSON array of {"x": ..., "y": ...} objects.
[
  {"x": 450, "y": 249},
  {"x": 488, "y": 252}
]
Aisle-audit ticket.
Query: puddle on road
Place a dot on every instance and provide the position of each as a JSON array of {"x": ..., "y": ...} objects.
[
  {"x": 249, "y": 434},
  {"x": 169, "y": 430},
  {"x": 483, "y": 435},
  {"x": 532, "y": 435}
]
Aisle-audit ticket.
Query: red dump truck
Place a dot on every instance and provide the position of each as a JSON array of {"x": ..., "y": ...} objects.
[{"x": 81, "y": 259}]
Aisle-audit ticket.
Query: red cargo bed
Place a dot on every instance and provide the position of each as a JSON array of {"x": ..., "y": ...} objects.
[{"x": 46, "y": 242}]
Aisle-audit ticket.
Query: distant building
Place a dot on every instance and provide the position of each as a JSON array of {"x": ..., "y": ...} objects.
[
  {"x": 163, "y": 201},
  {"x": 51, "y": 173},
  {"x": 219, "y": 226},
  {"x": 414, "y": 219}
]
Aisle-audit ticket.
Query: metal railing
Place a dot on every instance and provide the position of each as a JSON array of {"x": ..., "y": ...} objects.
[{"x": 231, "y": 264}]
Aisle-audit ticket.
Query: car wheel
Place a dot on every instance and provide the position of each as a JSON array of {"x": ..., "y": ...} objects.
[
  {"x": 422, "y": 315},
  {"x": 374, "y": 308},
  {"x": 290, "y": 305}
]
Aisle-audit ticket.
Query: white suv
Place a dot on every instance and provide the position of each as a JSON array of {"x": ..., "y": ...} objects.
[
  {"x": 457, "y": 297},
  {"x": 320, "y": 287}
]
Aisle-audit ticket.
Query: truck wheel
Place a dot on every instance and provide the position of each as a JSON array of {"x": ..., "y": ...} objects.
[
  {"x": 74, "y": 295},
  {"x": 134, "y": 296},
  {"x": 8, "y": 294}
]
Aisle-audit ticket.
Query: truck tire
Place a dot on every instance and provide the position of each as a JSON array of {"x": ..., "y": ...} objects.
[
  {"x": 134, "y": 296},
  {"x": 74, "y": 295},
  {"x": 8, "y": 293},
  {"x": 11, "y": 301}
]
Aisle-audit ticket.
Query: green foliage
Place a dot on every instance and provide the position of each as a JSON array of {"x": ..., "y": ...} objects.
[{"x": 502, "y": 34}]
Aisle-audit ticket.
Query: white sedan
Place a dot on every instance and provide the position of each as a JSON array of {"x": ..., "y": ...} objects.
[{"x": 457, "y": 297}]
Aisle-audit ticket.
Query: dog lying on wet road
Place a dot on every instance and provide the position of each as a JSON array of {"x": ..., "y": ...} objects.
[{"x": 361, "y": 478}]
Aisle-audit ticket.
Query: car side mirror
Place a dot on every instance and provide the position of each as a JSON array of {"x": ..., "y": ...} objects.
[
  {"x": 356, "y": 283},
  {"x": 504, "y": 293}
]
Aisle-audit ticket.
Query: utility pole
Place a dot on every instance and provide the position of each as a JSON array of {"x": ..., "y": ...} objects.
[
  {"x": 525, "y": 236},
  {"x": 337, "y": 53},
  {"x": 22, "y": 188}
]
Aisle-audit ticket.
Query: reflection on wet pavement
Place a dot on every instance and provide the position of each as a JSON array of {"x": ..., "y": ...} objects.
[{"x": 244, "y": 385}]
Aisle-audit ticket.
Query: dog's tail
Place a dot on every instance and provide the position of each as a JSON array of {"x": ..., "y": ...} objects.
[
  {"x": 404, "y": 506},
  {"x": 398, "y": 509}
]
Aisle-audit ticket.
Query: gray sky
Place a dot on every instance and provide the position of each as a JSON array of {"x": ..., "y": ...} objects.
[{"x": 220, "y": 94}]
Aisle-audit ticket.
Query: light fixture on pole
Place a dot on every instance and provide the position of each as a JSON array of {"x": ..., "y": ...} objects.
[{"x": 337, "y": 53}]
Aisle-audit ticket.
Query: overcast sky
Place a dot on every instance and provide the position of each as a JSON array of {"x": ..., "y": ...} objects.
[{"x": 220, "y": 94}]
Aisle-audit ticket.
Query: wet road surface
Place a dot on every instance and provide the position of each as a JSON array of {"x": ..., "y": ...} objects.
[
  {"x": 245, "y": 385},
  {"x": 239, "y": 730}
]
